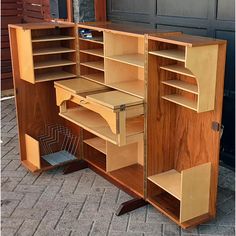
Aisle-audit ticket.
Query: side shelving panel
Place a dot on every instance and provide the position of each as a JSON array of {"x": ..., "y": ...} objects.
[
  {"x": 91, "y": 55},
  {"x": 50, "y": 53}
]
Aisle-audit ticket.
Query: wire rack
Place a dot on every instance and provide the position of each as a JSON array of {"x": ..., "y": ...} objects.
[{"x": 58, "y": 144}]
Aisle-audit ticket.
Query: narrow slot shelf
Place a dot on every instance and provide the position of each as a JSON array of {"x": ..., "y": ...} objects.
[
  {"x": 133, "y": 87},
  {"x": 178, "y": 69},
  {"x": 180, "y": 100},
  {"x": 47, "y": 38},
  {"x": 170, "y": 181},
  {"x": 173, "y": 54},
  {"x": 56, "y": 75},
  {"x": 182, "y": 85},
  {"x": 95, "y": 124},
  {"x": 49, "y": 51},
  {"x": 98, "y": 40},
  {"x": 130, "y": 59},
  {"x": 98, "y": 65},
  {"x": 95, "y": 52},
  {"x": 98, "y": 77},
  {"x": 97, "y": 143},
  {"x": 53, "y": 63}
]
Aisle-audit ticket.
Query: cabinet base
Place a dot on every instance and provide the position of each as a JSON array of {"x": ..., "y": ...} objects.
[
  {"x": 75, "y": 166},
  {"x": 130, "y": 205}
]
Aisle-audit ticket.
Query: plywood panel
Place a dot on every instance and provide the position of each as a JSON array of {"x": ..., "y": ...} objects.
[
  {"x": 32, "y": 151},
  {"x": 195, "y": 192},
  {"x": 119, "y": 157}
]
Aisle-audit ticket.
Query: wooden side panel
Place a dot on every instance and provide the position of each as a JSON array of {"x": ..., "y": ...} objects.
[
  {"x": 119, "y": 157},
  {"x": 32, "y": 151},
  {"x": 100, "y": 10},
  {"x": 24, "y": 47},
  {"x": 202, "y": 61},
  {"x": 195, "y": 192}
]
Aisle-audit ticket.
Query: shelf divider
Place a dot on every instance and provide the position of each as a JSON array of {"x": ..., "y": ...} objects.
[
  {"x": 98, "y": 65},
  {"x": 95, "y": 52},
  {"x": 178, "y": 69},
  {"x": 191, "y": 88},
  {"x": 180, "y": 100},
  {"x": 173, "y": 54},
  {"x": 49, "y": 51},
  {"x": 97, "y": 143}
]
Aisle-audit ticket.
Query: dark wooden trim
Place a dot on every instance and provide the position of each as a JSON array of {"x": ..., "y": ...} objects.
[
  {"x": 130, "y": 205},
  {"x": 100, "y": 10}
]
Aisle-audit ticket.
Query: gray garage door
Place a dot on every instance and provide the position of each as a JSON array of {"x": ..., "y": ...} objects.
[{"x": 212, "y": 18}]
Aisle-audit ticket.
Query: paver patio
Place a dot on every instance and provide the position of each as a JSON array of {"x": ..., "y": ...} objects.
[{"x": 83, "y": 203}]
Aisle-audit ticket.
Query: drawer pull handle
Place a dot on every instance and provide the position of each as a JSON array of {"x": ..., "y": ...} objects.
[{"x": 83, "y": 102}]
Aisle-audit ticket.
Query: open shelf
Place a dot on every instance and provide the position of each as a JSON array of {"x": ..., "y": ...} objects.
[
  {"x": 130, "y": 59},
  {"x": 94, "y": 40},
  {"x": 178, "y": 69},
  {"x": 96, "y": 52},
  {"x": 53, "y": 63},
  {"x": 47, "y": 38},
  {"x": 180, "y": 100},
  {"x": 54, "y": 50},
  {"x": 55, "y": 75},
  {"x": 133, "y": 87},
  {"x": 173, "y": 54},
  {"x": 95, "y": 124},
  {"x": 131, "y": 176},
  {"x": 98, "y": 65},
  {"x": 97, "y": 143},
  {"x": 182, "y": 85},
  {"x": 170, "y": 181},
  {"x": 98, "y": 77}
]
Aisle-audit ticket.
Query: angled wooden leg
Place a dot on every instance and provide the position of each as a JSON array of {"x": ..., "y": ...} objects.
[
  {"x": 75, "y": 166},
  {"x": 130, "y": 205}
]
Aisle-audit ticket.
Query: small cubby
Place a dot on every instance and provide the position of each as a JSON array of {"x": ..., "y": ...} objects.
[
  {"x": 124, "y": 77},
  {"x": 122, "y": 163},
  {"x": 188, "y": 188}
]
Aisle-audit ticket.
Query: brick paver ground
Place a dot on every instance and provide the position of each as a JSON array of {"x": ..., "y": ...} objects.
[{"x": 83, "y": 203}]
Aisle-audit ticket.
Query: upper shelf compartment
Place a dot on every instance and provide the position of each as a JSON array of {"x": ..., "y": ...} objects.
[
  {"x": 47, "y": 52},
  {"x": 125, "y": 49},
  {"x": 186, "y": 63}
]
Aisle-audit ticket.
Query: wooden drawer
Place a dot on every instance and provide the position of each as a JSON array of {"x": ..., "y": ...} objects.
[{"x": 112, "y": 115}]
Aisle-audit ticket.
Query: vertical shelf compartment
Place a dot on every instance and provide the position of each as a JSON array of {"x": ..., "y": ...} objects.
[
  {"x": 92, "y": 57},
  {"x": 124, "y": 63},
  {"x": 50, "y": 53}
]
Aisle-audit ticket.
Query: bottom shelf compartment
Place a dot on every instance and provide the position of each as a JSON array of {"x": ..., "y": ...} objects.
[
  {"x": 190, "y": 187},
  {"x": 56, "y": 146},
  {"x": 124, "y": 164}
]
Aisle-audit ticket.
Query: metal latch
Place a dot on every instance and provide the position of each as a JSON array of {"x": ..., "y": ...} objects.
[
  {"x": 122, "y": 107},
  {"x": 217, "y": 127}
]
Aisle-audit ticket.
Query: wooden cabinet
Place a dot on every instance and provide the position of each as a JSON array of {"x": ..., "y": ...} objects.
[
  {"x": 141, "y": 108},
  {"x": 46, "y": 52}
]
